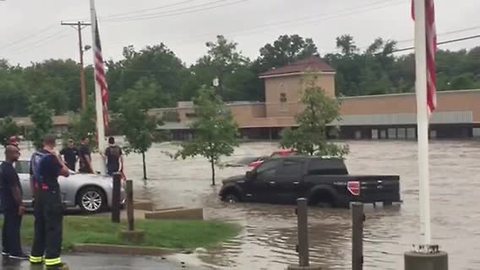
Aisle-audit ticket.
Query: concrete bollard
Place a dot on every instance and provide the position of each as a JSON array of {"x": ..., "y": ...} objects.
[
  {"x": 117, "y": 180},
  {"x": 302, "y": 247},
  {"x": 358, "y": 217},
  {"x": 426, "y": 258}
]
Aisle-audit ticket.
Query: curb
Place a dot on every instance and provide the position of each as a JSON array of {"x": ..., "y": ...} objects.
[{"x": 123, "y": 250}]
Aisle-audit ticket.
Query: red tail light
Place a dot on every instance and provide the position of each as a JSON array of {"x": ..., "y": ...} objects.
[{"x": 354, "y": 187}]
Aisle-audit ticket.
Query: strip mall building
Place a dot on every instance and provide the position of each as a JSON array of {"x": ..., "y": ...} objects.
[{"x": 375, "y": 117}]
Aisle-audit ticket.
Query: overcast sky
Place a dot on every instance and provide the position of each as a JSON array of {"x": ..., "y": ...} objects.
[{"x": 30, "y": 30}]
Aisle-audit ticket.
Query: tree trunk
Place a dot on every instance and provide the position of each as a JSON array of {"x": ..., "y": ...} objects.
[
  {"x": 212, "y": 162},
  {"x": 144, "y": 167}
]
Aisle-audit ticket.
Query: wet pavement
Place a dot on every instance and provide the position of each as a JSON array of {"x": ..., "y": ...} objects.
[{"x": 96, "y": 261}]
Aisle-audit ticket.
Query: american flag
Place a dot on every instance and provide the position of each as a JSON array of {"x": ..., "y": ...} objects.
[
  {"x": 100, "y": 76},
  {"x": 431, "y": 51}
]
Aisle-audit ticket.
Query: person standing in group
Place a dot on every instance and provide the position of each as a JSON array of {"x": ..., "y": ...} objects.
[
  {"x": 13, "y": 209},
  {"x": 84, "y": 157},
  {"x": 70, "y": 154},
  {"x": 46, "y": 167},
  {"x": 113, "y": 157}
]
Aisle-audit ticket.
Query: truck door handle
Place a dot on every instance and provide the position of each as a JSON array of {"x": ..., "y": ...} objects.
[
  {"x": 296, "y": 183},
  {"x": 272, "y": 182}
]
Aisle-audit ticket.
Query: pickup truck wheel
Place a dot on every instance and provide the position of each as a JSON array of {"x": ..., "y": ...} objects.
[
  {"x": 231, "y": 198},
  {"x": 91, "y": 200},
  {"x": 323, "y": 199}
]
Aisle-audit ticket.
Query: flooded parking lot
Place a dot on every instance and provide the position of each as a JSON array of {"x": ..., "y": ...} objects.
[{"x": 269, "y": 238}]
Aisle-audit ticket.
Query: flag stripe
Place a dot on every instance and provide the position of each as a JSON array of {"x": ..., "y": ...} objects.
[
  {"x": 100, "y": 76},
  {"x": 431, "y": 40}
]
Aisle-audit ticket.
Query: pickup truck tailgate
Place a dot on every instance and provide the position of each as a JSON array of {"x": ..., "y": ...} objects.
[{"x": 379, "y": 188}]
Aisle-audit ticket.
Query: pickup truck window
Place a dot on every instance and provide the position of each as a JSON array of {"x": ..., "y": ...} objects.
[
  {"x": 291, "y": 168},
  {"x": 268, "y": 168},
  {"x": 327, "y": 167}
]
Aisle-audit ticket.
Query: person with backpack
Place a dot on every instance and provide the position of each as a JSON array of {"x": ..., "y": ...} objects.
[
  {"x": 46, "y": 166},
  {"x": 113, "y": 157}
]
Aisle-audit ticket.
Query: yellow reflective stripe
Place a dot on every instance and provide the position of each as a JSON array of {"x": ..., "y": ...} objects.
[
  {"x": 53, "y": 261},
  {"x": 34, "y": 259}
]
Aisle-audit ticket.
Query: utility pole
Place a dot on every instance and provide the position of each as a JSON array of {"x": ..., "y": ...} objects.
[{"x": 83, "y": 88}]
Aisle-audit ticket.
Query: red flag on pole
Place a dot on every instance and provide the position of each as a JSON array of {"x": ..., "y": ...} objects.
[{"x": 431, "y": 39}]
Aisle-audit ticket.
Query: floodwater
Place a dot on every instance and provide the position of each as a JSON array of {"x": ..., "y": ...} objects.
[{"x": 269, "y": 235}]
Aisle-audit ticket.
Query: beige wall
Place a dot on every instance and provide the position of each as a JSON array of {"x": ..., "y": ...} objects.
[
  {"x": 406, "y": 103},
  {"x": 292, "y": 86}
]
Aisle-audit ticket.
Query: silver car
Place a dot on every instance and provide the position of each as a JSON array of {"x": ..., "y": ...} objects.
[{"x": 91, "y": 192}]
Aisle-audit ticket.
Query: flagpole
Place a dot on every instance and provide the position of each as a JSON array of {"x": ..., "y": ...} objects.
[
  {"x": 425, "y": 255},
  {"x": 422, "y": 118},
  {"x": 98, "y": 95}
]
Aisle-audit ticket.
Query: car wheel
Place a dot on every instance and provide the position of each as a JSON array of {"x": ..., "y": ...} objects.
[
  {"x": 92, "y": 200},
  {"x": 231, "y": 198}
]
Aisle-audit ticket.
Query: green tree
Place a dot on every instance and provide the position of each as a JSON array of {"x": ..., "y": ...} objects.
[
  {"x": 84, "y": 125},
  {"x": 311, "y": 135},
  {"x": 224, "y": 63},
  {"x": 134, "y": 121},
  {"x": 346, "y": 44},
  {"x": 8, "y": 128},
  {"x": 286, "y": 50},
  {"x": 41, "y": 116},
  {"x": 157, "y": 63},
  {"x": 215, "y": 130}
]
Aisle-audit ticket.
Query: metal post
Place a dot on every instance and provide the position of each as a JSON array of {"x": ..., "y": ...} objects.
[
  {"x": 358, "y": 217},
  {"x": 129, "y": 190},
  {"x": 302, "y": 220},
  {"x": 117, "y": 178},
  {"x": 302, "y": 247}
]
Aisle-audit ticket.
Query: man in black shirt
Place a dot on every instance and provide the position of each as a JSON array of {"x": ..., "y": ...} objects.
[
  {"x": 11, "y": 196},
  {"x": 70, "y": 154},
  {"x": 113, "y": 156},
  {"x": 84, "y": 157}
]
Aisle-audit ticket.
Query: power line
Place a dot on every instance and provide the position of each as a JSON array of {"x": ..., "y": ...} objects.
[
  {"x": 309, "y": 19},
  {"x": 27, "y": 37},
  {"x": 176, "y": 12},
  {"x": 442, "y": 34},
  {"x": 441, "y": 43},
  {"x": 39, "y": 43},
  {"x": 146, "y": 10}
]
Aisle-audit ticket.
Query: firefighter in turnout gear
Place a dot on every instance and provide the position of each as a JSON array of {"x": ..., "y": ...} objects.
[{"x": 45, "y": 167}]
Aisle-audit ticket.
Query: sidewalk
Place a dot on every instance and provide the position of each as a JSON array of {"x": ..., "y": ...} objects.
[{"x": 100, "y": 261}]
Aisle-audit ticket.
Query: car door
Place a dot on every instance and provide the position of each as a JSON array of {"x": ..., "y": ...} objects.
[
  {"x": 259, "y": 188},
  {"x": 288, "y": 180}
]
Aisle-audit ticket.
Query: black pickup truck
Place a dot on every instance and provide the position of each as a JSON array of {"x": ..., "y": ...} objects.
[{"x": 323, "y": 181}]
